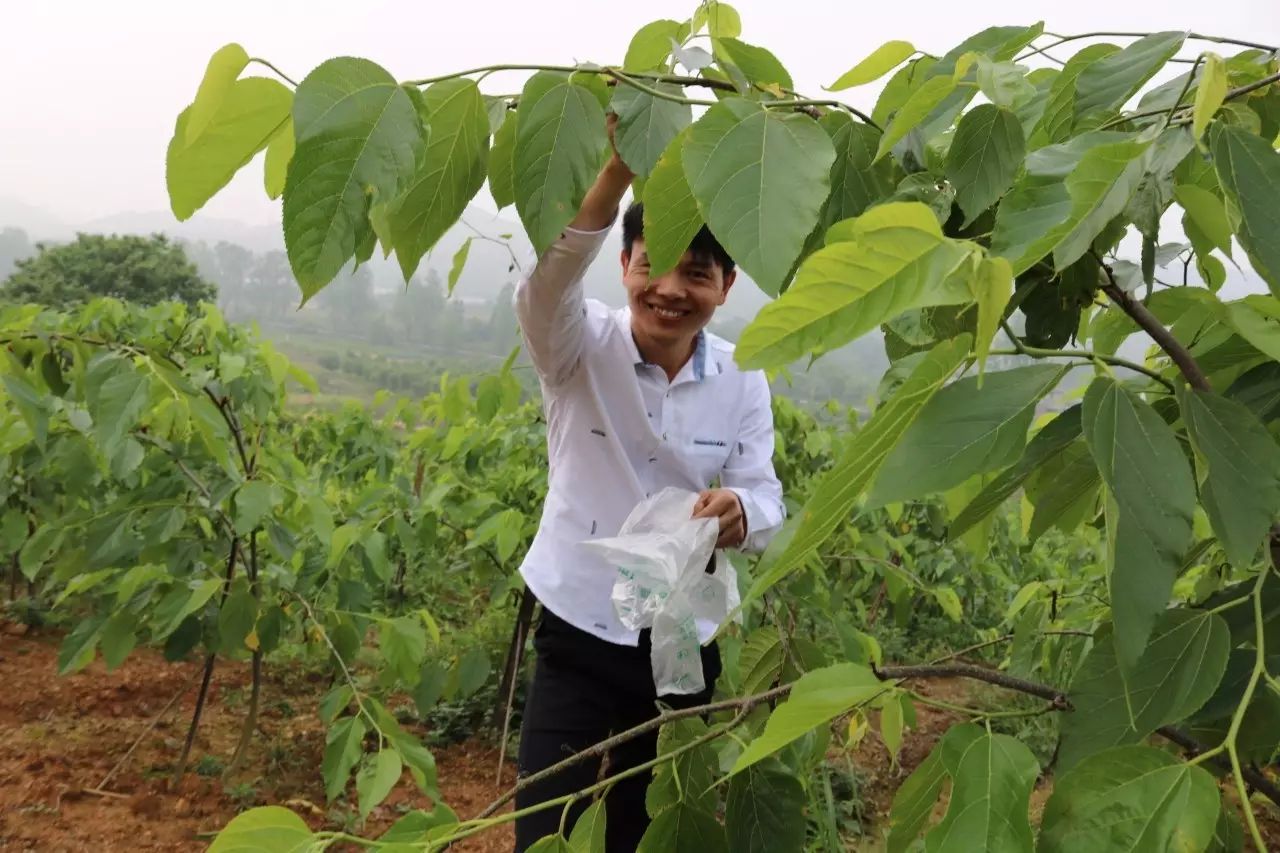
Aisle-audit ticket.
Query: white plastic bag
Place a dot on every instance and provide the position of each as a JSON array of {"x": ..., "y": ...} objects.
[{"x": 661, "y": 555}]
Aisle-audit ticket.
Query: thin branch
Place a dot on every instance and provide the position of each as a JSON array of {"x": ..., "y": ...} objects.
[
  {"x": 1088, "y": 355},
  {"x": 1233, "y": 93},
  {"x": 1256, "y": 780},
  {"x": 978, "y": 673},
  {"x": 285, "y": 77},
  {"x": 1061, "y": 39},
  {"x": 1186, "y": 87},
  {"x": 657, "y": 93},
  {"x": 1152, "y": 326}
]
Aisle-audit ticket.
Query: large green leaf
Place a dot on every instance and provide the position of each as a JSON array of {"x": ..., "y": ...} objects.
[
  {"x": 984, "y": 157},
  {"x": 839, "y": 489},
  {"x": 266, "y": 829},
  {"x": 1155, "y": 190},
  {"x": 684, "y": 829},
  {"x": 502, "y": 162},
  {"x": 1176, "y": 675},
  {"x": 359, "y": 139},
  {"x": 818, "y": 697},
  {"x": 376, "y": 779},
  {"x": 880, "y": 62},
  {"x": 1130, "y": 798},
  {"x": 116, "y": 395},
  {"x": 671, "y": 217},
  {"x": 588, "y": 834},
  {"x": 856, "y": 181},
  {"x": 687, "y": 778},
  {"x": 1248, "y": 168},
  {"x": 249, "y": 114},
  {"x": 1241, "y": 491},
  {"x": 891, "y": 259},
  {"x": 651, "y": 45},
  {"x": 918, "y": 107},
  {"x": 765, "y": 810},
  {"x": 451, "y": 173},
  {"x": 1044, "y": 213},
  {"x": 757, "y": 64},
  {"x": 760, "y": 178},
  {"x": 1064, "y": 491},
  {"x": 275, "y": 167},
  {"x": 990, "y": 796},
  {"x": 1148, "y": 479},
  {"x": 219, "y": 77},
  {"x": 343, "y": 748},
  {"x": 560, "y": 144},
  {"x": 964, "y": 430},
  {"x": 1056, "y": 120},
  {"x": 1208, "y": 213},
  {"x": 647, "y": 125},
  {"x": 1045, "y": 445},
  {"x": 914, "y": 801},
  {"x": 1106, "y": 84},
  {"x": 1211, "y": 90}
]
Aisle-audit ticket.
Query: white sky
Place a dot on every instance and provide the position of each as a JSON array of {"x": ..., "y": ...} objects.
[{"x": 91, "y": 88}]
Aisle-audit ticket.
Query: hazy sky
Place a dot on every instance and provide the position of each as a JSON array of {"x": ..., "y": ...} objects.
[{"x": 91, "y": 88}]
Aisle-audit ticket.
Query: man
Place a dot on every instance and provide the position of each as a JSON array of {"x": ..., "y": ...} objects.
[{"x": 636, "y": 400}]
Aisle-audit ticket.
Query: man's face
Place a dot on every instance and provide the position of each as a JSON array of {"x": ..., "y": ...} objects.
[{"x": 673, "y": 307}]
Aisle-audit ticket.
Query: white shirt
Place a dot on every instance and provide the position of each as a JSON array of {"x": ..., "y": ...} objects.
[{"x": 618, "y": 431}]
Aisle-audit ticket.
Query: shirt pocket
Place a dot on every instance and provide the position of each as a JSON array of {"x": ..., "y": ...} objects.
[{"x": 709, "y": 451}]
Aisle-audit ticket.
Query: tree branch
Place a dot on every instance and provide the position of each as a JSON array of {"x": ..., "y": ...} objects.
[
  {"x": 1148, "y": 322},
  {"x": 978, "y": 673}
]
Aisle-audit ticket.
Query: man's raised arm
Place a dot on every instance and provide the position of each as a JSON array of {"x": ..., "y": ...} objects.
[{"x": 549, "y": 301}]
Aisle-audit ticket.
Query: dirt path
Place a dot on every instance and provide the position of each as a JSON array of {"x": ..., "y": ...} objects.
[{"x": 63, "y": 735}]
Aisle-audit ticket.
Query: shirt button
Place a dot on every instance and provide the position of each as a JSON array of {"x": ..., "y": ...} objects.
[{"x": 664, "y": 436}]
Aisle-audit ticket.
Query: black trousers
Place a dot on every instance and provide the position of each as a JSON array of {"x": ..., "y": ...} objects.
[{"x": 584, "y": 690}]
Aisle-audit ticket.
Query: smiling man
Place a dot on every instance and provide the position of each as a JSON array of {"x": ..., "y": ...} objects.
[{"x": 636, "y": 400}]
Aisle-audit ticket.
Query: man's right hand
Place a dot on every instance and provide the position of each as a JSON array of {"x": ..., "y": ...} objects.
[{"x": 600, "y": 205}]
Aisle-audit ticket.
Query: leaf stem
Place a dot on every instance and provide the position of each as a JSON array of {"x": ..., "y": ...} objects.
[
  {"x": 279, "y": 73},
  {"x": 657, "y": 93},
  {"x": 1088, "y": 355},
  {"x": 1186, "y": 87}
]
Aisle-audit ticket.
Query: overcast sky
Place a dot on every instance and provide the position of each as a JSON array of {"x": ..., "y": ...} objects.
[{"x": 91, "y": 88}]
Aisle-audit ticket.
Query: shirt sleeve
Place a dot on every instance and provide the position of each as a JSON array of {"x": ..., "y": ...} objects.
[
  {"x": 749, "y": 471},
  {"x": 550, "y": 305}
]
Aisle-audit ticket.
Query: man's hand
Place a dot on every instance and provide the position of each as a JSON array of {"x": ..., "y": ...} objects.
[
  {"x": 600, "y": 205},
  {"x": 724, "y": 505}
]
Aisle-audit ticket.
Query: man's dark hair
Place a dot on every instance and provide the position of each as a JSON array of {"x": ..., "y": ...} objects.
[{"x": 704, "y": 246}]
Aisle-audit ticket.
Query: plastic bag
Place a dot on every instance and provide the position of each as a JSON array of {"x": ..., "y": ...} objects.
[{"x": 661, "y": 555}]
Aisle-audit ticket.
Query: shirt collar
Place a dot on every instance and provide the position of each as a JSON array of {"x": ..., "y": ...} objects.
[{"x": 699, "y": 364}]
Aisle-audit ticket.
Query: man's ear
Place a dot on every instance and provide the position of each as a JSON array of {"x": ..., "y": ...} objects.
[{"x": 729, "y": 279}]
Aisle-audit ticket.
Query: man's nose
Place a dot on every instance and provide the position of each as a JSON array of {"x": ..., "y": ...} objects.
[{"x": 669, "y": 285}]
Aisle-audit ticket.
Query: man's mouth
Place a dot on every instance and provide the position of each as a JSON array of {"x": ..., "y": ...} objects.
[{"x": 666, "y": 313}]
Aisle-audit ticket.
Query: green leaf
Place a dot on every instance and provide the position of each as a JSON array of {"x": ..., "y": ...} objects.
[
  {"x": 1241, "y": 491},
  {"x": 253, "y": 502},
  {"x": 990, "y": 796},
  {"x": 473, "y": 671},
  {"x": 856, "y": 181},
  {"x": 914, "y": 802},
  {"x": 219, "y": 77},
  {"x": 403, "y": 642},
  {"x": 588, "y": 831},
  {"x": 1045, "y": 445},
  {"x": 550, "y": 844},
  {"x": 376, "y": 779},
  {"x": 119, "y": 638},
  {"x": 964, "y": 431},
  {"x": 686, "y": 779},
  {"x": 1209, "y": 214},
  {"x": 276, "y": 164},
  {"x": 1059, "y": 112},
  {"x": 1256, "y": 318},
  {"x": 266, "y": 829},
  {"x": 1044, "y": 213},
  {"x": 1064, "y": 491},
  {"x": 236, "y": 618},
  {"x": 882, "y": 60},
  {"x": 459, "y": 261},
  {"x": 1004, "y": 83},
  {"x": 671, "y": 217},
  {"x": 765, "y": 811},
  {"x": 839, "y": 489},
  {"x": 1130, "y": 798},
  {"x": 1248, "y": 168},
  {"x": 918, "y": 107},
  {"x": 759, "y": 65},
  {"x": 647, "y": 125},
  {"x": 1258, "y": 390},
  {"x": 343, "y": 748},
  {"x": 1175, "y": 676},
  {"x": 1211, "y": 91},
  {"x": 895, "y": 258},
  {"x": 992, "y": 287},
  {"x": 818, "y": 697},
  {"x": 684, "y": 829},
  {"x": 77, "y": 649},
  {"x": 984, "y": 158},
  {"x": 359, "y": 140},
  {"x": 502, "y": 162},
  {"x": 560, "y": 143},
  {"x": 891, "y": 726},
  {"x": 722, "y": 20},
  {"x": 451, "y": 173},
  {"x": 651, "y": 45},
  {"x": 252, "y": 112},
  {"x": 1155, "y": 191},
  {"x": 1148, "y": 478},
  {"x": 419, "y": 825},
  {"x": 760, "y": 178},
  {"x": 1107, "y": 84},
  {"x": 38, "y": 548}
]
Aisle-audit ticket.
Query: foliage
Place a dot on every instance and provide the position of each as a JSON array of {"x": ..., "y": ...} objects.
[
  {"x": 145, "y": 270},
  {"x": 1131, "y": 574}
]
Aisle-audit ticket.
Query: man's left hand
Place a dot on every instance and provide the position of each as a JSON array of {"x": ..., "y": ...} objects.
[{"x": 724, "y": 505}]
